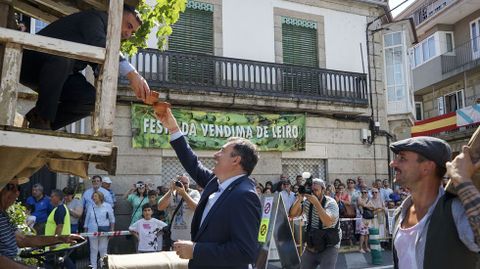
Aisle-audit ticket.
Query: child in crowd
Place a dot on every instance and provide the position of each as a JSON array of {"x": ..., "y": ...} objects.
[
  {"x": 153, "y": 201},
  {"x": 31, "y": 219},
  {"x": 148, "y": 230}
]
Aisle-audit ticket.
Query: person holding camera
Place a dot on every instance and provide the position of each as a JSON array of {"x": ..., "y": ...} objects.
[
  {"x": 180, "y": 202},
  {"x": 137, "y": 197},
  {"x": 323, "y": 233}
]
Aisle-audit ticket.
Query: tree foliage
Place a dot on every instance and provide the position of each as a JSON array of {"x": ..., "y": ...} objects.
[
  {"x": 163, "y": 14},
  {"x": 18, "y": 217}
]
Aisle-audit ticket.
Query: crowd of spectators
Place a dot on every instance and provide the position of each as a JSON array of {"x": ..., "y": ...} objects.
[
  {"x": 169, "y": 209},
  {"x": 167, "y": 206},
  {"x": 353, "y": 197}
]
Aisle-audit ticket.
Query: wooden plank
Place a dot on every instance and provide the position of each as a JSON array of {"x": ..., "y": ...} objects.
[
  {"x": 8, "y": 83},
  {"x": 57, "y": 6},
  {"x": 54, "y": 143},
  {"x": 100, "y": 5},
  {"x": 107, "y": 83},
  {"x": 4, "y": 11},
  {"x": 54, "y": 46},
  {"x": 53, "y": 133},
  {"x": 34, "y": 12}
]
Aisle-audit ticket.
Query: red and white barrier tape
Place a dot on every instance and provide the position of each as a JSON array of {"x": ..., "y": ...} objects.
[
  {"x": 99, "y": 234},
  {"x": 349, "y": 219}
]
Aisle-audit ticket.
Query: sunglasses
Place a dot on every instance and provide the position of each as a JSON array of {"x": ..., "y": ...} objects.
[
  {"x": 13, "y": 187},
  {"x": 364, "y": 191},
  {"x": 374, "y": 191}
]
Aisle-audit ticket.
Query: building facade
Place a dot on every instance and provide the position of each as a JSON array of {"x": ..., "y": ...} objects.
[
  {"x": 305, "y": 57},
  {"x": 319, "y": 60},
  {"x": 445, "y": 69}
]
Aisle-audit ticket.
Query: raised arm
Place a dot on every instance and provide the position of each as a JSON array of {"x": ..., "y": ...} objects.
[
  {"x": 461, "y": 171},
  {"x": 185, "y": 154}
]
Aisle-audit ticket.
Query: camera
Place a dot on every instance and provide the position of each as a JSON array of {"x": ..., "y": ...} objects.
[
  {"x": 178, "y": 183},
  {"x": 304, "y": 190},
  {"x": 139, "y": 185}
]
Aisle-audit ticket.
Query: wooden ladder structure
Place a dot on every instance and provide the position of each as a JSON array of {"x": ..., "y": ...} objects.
[{"x": 21, "y": 149}]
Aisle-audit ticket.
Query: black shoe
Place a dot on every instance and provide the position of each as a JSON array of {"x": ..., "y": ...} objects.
[{"x": 35, "y": 121}]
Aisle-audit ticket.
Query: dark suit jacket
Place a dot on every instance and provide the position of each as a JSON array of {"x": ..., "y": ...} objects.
[
  {"x": 86, "y": 27},
  {"x": 228, "y": 235}
]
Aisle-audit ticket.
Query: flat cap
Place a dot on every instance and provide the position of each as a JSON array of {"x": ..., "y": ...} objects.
[{"x": 434, "y": 149}]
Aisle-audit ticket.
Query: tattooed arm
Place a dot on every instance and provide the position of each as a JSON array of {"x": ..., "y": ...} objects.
[{"x": 461, "y": 170}]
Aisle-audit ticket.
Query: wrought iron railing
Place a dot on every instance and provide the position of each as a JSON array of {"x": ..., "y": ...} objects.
[
  {"x": 463, "y": 57},
  {"x": 211, "y": 73},
  {"x": 428, "y": 10}
]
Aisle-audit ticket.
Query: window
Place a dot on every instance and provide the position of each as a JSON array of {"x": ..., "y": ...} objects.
[
  {"x": 475, "y": 36},
  {"x": 300, "y": 47},
  {"x": 449, "y": 41},
  {"x": 192, "y": 33},
  {"x": 454, "y": 101},
  {"x": 299, "y": 42},
  {"x": 426, "y": 50},
  {"x": 171, "y": 167},
  {"x": 418, "y": 111},
  {"x": 36, "y": 26},
  {"x": 418, "y": 56},
  {"x": 450, "y": 102},
  {"x": 394, "y": 66},
  {"x": 294, "y": 167},
  {"x": 429, "y": 49}
]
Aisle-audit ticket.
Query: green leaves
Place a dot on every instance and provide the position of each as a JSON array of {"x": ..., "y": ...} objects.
[
  {"x": 17, "y": 215},
  {"x": 162, "y": 15},
  {"x": 209, "y": 130}
]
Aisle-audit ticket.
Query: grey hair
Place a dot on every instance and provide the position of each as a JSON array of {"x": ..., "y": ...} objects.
[
  {"x": 58, "y": 193},
  {"x": 38, "y": 186},
  {"x": 319, "y": 182},
  {"x": 184, "y": 175}
]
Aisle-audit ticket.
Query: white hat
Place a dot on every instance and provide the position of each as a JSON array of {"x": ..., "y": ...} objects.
[
  {"x": 319, "y": 181},
  {"x": 106, "y": 180}
]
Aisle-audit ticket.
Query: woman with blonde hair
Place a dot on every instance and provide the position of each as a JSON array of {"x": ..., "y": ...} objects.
[{"x": 99, "y": 218}]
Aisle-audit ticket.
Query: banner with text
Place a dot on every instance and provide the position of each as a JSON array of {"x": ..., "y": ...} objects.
[{"x": 210, "y": 130}]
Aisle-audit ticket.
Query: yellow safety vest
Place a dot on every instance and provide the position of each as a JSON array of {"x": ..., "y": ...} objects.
[{"x": 50, "y": 226}]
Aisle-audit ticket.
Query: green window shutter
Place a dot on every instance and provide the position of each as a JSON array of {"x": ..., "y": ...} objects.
[
  {"x": 300, "y": 45},
  {"x": 193, "y": 32}
]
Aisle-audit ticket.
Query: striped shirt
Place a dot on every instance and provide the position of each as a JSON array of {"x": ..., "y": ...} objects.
[
  {"x": 8, "y": 243},
  {"x": 331, "y": 208}
]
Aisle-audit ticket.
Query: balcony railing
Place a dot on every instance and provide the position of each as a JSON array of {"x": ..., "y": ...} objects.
[
  {"x": 463, "y": 57},
  {"x": 176, "y": 70},
  {"x": 429, "y": 10}
]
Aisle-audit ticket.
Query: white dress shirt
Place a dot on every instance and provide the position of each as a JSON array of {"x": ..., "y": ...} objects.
[{"x": 214, "y": 196}]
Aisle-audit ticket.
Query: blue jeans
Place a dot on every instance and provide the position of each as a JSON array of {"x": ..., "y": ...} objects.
[
  {"x": 327, "y": 259},
  {"x": 74, "y": 228}
]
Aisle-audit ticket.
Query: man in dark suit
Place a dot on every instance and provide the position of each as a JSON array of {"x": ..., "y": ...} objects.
[
  {"x": 64, "y": 95},
  {"x": 227, "y": 218}
]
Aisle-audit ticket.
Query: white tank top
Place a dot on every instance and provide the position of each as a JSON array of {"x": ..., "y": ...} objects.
[{"x": 405, "y": 245}]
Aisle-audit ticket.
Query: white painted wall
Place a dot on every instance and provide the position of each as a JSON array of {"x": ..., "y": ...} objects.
[
  {"x": 248, "y": 30},
  {"x": 343, "y": 34}
]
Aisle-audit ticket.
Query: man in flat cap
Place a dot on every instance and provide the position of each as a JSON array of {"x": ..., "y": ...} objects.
[{"x": 434, "y": 228}]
